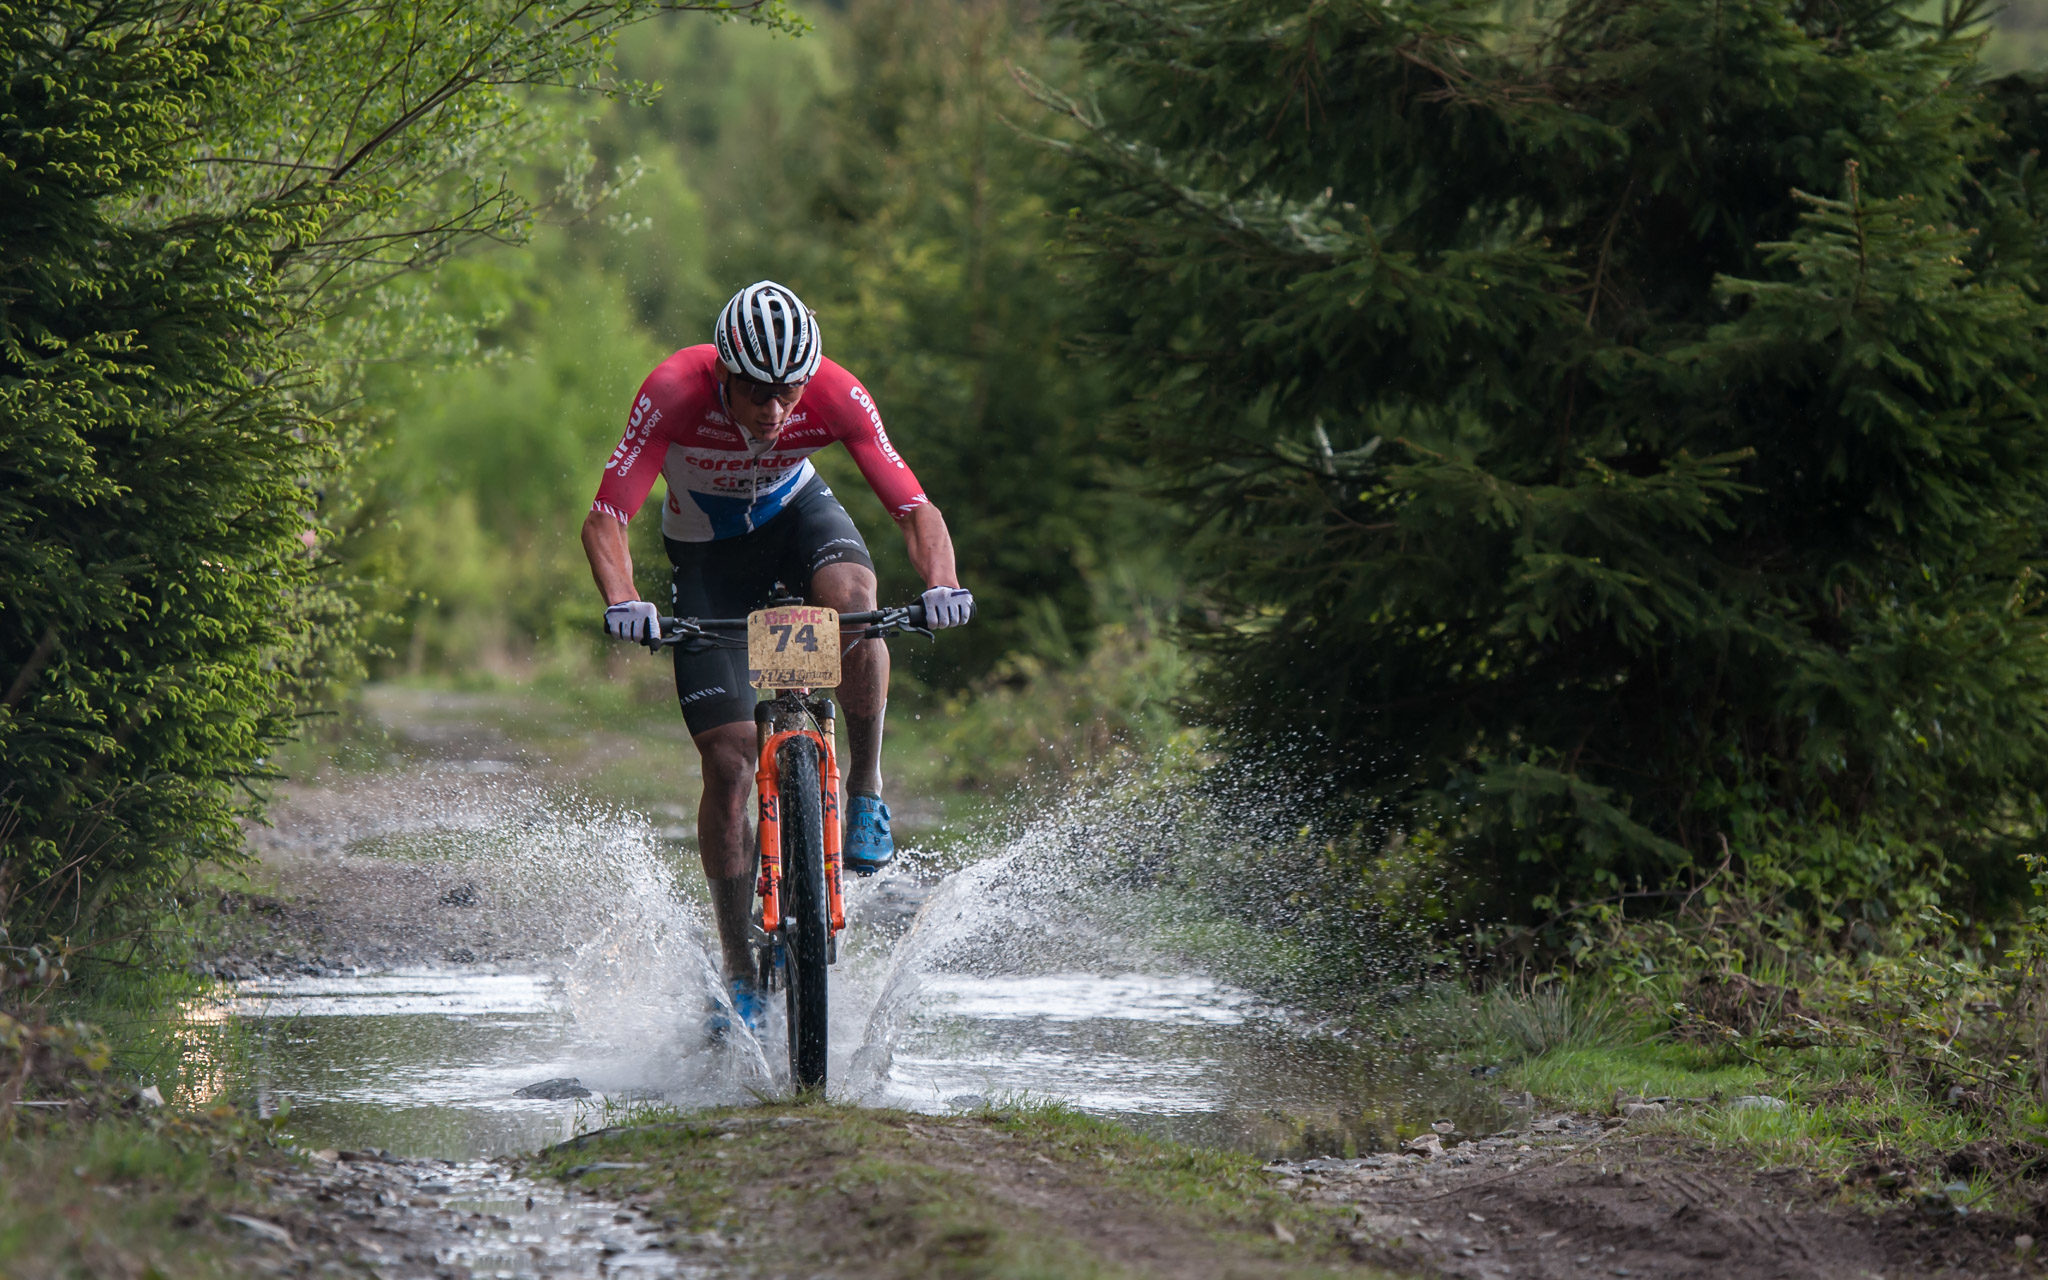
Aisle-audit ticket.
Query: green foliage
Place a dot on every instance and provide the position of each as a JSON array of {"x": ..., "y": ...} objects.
[
  {"x": 1059, "y": 710},
  {"x": 478, "y": 480},
  {"x": 871, "y": 167},
  {"x": 938, "y": 269},
  {"x": 202, "y": 207},
  {"x": 156, "y": 469},
  {"x": 1608, "y": 438}
]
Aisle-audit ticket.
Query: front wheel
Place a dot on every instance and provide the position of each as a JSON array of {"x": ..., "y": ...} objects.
[{"x": 806, "y": 925}]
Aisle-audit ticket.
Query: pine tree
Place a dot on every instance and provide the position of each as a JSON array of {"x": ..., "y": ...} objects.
[{"x": 1612, "y": 440}]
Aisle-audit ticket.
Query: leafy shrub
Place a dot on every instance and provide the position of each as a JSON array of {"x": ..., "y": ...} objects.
[{"x": 202, "y": 205}]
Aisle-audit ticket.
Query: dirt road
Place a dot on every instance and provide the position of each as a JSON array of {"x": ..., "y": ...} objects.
[{"x": 356, "y": 877}]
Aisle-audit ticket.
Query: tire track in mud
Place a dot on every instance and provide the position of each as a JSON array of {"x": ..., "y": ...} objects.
[{"x": 1576, "y": 1196}]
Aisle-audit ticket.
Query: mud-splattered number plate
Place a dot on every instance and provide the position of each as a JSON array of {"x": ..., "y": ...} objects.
[{"x": 793, "y": 648}]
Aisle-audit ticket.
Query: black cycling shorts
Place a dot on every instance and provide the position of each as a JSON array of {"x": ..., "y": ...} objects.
[{"x": 732, "y": 577}]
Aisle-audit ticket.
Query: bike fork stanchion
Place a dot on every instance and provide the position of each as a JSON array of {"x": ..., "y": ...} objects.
[
  {"x": 822, "y": 709},
  {"x": 768, "y": 788}
]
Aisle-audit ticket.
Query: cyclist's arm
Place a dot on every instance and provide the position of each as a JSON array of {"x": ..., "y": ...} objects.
[
  {"x": 611, "y": 560},
  {"x": 924, "y": 529},
  {"x": 629, "y": 475},
  {"x": 930, "y": 545}
]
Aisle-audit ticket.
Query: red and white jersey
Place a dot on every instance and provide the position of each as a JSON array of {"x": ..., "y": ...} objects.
[{"x": 723, "y": 482}]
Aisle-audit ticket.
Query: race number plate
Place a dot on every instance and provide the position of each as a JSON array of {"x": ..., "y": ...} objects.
[{"x": 796, "y": 647}]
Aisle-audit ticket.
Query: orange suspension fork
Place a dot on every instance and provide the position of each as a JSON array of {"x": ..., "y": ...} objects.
[
  {"x": 770, "y": 835},
  {"x": 832, "y": 835},
  {"x": 769, "y": 789}
]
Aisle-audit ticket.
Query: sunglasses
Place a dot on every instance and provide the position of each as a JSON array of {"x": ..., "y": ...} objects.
[{"x": 762, "y": 392}]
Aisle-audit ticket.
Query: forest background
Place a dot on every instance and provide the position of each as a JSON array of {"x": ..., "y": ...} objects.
[{"x": 882, "y": 165}]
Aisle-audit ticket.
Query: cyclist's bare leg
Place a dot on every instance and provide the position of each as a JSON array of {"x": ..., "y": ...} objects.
[
  {"x": 863, "y": 675},
  {"x": 727, "y": 754}
]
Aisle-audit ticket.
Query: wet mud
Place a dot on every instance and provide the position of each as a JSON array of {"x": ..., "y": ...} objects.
[
  {"x": 1580, "y": 1196},
  {"x": 370, "y": 1213}
]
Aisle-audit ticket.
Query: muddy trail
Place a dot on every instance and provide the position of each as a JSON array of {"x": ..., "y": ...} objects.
[{"x": 459, "y": 959}]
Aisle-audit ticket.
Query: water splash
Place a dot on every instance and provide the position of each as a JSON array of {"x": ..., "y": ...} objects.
[{"x": 1100, "y": 953}]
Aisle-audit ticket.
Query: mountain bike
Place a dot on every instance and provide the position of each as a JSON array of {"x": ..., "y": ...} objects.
[{"x": 794, "y": 650}]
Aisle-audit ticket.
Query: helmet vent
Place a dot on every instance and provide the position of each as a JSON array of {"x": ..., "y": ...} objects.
[{"x": 766, "y": 333}]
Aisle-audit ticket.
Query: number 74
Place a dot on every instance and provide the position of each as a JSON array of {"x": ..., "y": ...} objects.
[{"x": 806, "y": 637}]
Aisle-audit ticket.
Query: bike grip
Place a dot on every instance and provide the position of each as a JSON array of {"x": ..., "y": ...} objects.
[{"x": 917, "y": 614}]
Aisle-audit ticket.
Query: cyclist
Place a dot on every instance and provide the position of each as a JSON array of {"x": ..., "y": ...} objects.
[{"x": 731, "y": 424}]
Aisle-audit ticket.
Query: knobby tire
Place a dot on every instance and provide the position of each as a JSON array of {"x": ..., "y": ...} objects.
[{"x": 805, "y": 910}]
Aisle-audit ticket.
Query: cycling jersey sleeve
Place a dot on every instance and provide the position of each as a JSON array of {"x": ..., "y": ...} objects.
[
  {"x": 866, "y": 439},
  {"x": 630, "y": 473}
]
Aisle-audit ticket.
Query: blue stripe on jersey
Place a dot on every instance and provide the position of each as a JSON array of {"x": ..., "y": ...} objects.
[
  {"x": 728, "y": 516},
  {"x": 731, "y": 517}
]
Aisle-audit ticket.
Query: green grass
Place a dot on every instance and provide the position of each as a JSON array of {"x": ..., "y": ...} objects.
[
  {"x": 1585, "y": 1077},
  {"x": 1843, "y": 1119},
  {"x": 110, "y": 1187},
  {"x": 130, "y": 1195},
  {"x": 1009, "y": 1194}
]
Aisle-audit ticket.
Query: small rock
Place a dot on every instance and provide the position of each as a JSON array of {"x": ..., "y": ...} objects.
[
  {"x": 150, "y": 1097},
  {"x": 1756, "y": 1102},
  {"x": 1428, "y": 1145},
  {"x": 1281, "y": 1233},
  {"x": 554, "y": 1090},
  {"x": 1941, "y": 1202},
  {"x": 967, "y": 1102},
  {"x": 2023, "y": 1245},
  {"x": 1641, "y": 1110},
  {"x": 258, "y": 1227},
  {"x": 461, "y": 895}
]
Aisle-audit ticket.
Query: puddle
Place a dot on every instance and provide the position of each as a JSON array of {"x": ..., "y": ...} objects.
[
  {"x": 1008, "y": 979},
  {"x": 428, "y": 1062},
  {"x": 423, "y": 1063}
]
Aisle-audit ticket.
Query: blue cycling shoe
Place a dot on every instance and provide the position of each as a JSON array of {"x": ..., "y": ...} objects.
[
  {"x": 868, "y": 843},
  {"x": 746, "y": 1002}
]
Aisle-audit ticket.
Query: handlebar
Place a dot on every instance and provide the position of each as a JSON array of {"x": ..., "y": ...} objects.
[{"x": 872, "y": 624}]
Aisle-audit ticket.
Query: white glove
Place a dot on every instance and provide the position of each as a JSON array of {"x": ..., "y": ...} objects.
[
  {"x": 633, "y": 620},
  {"x": 947, "y": 607}
]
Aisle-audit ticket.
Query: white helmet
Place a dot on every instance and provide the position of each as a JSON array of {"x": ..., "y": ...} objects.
[{"x": 766, "y": 334}]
